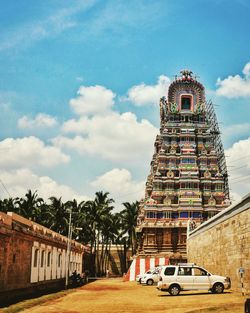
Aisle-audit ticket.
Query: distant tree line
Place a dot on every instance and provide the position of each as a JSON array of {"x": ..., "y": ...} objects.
[{"x": 101, "y": 227}]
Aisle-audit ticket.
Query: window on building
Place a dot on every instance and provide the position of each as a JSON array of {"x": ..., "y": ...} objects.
[
  {"x": 219, "y": 187},
  {"x": 175, "y": 200},
  {"x": 175, "y": 215},
  {"x": 150, "y": 214},
  {"x": 189, "y": 185},
  {"x": 36, "y": 254},
  {"x": 183, "y": 214},
  {"x": 14, "y": 258},
  {"x": 169, "y": 186},
  {"x": 168, "y": 214},
  {"x": 42, "y": 258},
  {"x": 48, "y": 258},
  {"x": 196, "y": 214},
  {"x": 59, "y": 259},
  {"x": 188, "y": 160},
  {"x": 207, "y": 187},
  {"x": 186, "y": 103},
  {"x": 159, "y": 215}
]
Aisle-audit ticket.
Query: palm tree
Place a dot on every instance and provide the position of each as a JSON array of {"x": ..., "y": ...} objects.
[
  {"x": 96, "y": 215},
  {"x": 57, "y": 215},
  {"x": 129, "y": 221},
  {"x": 8, "y": 205},
  {"x": 30, "y": 207}
]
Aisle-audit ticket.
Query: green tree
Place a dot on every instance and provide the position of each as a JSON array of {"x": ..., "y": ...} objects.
[
  {"x": 8, "y": 205},
  {"x": 57, "y": 217},
  {"x": 129, "y": 221},
  {"x": 30, "y": 206},
  {"x": 96, "y": 215}
]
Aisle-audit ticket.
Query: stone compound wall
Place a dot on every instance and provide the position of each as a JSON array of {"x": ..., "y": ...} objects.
[
  {"x": 116, "y": 262},
  {"x": 222, "y": 244},
  {"x": 33, "y": 257}
]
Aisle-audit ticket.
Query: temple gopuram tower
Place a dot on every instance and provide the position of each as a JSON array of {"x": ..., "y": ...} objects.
[{"x": 188, "y": 180}]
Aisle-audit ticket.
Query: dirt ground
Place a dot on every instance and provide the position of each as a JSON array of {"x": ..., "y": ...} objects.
[{"x": 114, "y": 295}]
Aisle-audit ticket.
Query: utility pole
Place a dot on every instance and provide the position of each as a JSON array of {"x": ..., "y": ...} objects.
[{"x": 67, "y": 268}]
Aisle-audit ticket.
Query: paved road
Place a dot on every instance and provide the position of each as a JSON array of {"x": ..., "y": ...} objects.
[{"x": 116, "y": 296}]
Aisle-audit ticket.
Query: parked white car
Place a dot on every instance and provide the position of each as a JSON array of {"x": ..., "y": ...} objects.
[
  {"x": 174, "y": 278},
  {"x": 152, "y": 276}
]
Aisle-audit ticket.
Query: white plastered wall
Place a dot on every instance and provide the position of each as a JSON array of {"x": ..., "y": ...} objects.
[
  {"x": 48, "y": 262},
  {"x": 42, "y": 261},
  {"x": 34, "y": 275},
  {"x": 48, "y": 268}
]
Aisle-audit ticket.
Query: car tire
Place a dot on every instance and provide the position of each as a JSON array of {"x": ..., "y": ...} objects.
[
  {"x": 218, "y": 288},
  {"x": 174, "y": 290},
  {"x": 150, "y": 282}
]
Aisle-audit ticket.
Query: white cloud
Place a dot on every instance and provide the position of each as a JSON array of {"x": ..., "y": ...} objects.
[
  {"x": 243, "y": 128},
  {"x": 79, "y": 78},
  {"x": 53, "y": 25},
  {"x": 92, "y": 100},
  {"x": 235, "y": 86},
  {"x": 235, "y": 132},
  {"x": 29, "y": 152},
  {"x": 238, "y": 162},
  {"x": 149, "y": 94},
  {"x": 246, "y": 70},
  {"x": 120, "y": 184},
  {"x": 41, "y": 120},
  {"x": 18, "y": 181},
  {"x": 116, "y": 137},
  {"x": 117, "y": 16}
]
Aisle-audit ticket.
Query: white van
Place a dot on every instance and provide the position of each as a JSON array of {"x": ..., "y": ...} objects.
[{"x": 174, "y": 278}]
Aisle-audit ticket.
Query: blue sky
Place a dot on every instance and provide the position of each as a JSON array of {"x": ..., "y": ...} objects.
[{"x": 80, "y": 83}]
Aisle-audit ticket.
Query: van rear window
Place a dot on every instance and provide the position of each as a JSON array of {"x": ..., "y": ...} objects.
[{"x": 169, "y": 271}]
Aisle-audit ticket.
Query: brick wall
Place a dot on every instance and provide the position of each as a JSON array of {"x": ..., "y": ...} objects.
[
  {"x": 18, "y": 261},
  {"x": 18, "y": 237},
  {"x": 222, "y": 244}
]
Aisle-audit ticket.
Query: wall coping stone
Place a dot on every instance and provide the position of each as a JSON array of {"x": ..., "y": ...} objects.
[
  {"x": 21, "y": 224},
  {"x": 242, "y": 205}
]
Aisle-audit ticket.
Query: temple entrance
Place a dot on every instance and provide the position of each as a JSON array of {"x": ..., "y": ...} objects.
[
  {"x": 159, "y": 238},
  {"x": 174, "y": 238},
  {"x": 186, "y": 103}
]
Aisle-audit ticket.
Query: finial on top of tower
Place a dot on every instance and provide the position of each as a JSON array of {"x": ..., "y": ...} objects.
[{"x": 186, "y": 75}]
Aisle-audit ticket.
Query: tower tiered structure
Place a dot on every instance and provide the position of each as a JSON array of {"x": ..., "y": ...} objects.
[{"x": 187, "y": 183}]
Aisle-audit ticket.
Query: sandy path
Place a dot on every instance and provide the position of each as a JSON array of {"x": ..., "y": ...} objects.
[{"x": 114, "y": 295}]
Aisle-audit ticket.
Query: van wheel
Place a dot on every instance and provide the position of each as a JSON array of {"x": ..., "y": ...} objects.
[
  {"x": 150, "y": 282},
  {"x": 174, "y": 290},
  {"x": 218, "y": 288}
]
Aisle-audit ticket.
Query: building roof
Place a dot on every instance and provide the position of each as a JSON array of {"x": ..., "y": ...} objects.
[{"x": 11, "y": 219}]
